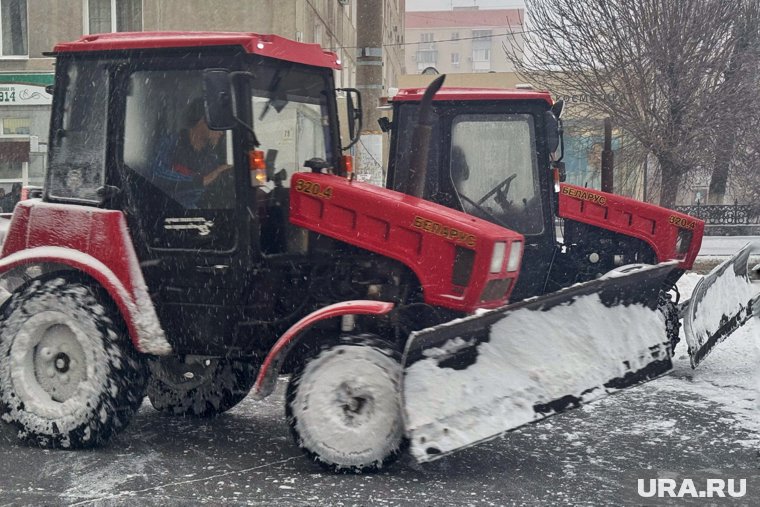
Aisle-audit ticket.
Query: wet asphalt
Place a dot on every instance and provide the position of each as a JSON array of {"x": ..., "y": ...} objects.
[{"x": 590, "y": 456}]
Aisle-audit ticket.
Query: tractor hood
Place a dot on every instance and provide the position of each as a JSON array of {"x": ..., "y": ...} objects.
[{"x": 464, "y": 263}]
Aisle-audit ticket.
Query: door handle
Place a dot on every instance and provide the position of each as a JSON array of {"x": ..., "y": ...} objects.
[{"x": 216, "y": 268}]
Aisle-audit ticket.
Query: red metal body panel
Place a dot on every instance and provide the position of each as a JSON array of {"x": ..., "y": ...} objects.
[
  {"x": 495, "y": 94},
  {"x": 272, "y": 46},
  {"x": 96, "y": 242},
  {"x": 270, "y": 369},
  {"x": 420, "y": 234},
  {"x": 655, "y": 225}
]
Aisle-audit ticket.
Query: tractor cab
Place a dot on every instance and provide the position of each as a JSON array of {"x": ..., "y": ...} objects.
[
  {"x": 135, "y": 127},
  {"x": 489, "y": 157}
]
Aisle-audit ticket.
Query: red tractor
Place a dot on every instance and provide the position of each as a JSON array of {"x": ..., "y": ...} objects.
[{"x": 200, "y": 232}]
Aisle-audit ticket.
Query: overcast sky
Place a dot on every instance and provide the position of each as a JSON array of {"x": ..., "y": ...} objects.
[{"x": 446, "y": 5}]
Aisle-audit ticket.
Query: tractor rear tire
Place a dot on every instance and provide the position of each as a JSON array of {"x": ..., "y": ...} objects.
[
  {"x": 204, "y": 388},
  {"x": 69, "y": 376},
  {"x": 344, "y": 406}
]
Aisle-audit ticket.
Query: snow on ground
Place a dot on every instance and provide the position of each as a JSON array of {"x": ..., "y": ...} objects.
[
  {"x": 729, "y": 376},
  {"x": 724, "y": 245}
]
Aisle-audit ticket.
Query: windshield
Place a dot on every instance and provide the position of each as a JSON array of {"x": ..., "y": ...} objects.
[
  {"x": 484, "y": 164},
  {"x": 494, "y": 171},
  {"x": 78, "y": 151},
  {"x": 290, "y": 114}
]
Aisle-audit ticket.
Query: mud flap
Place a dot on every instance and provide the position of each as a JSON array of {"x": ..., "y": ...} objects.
[
  {"x": 721, "y": 303},
  {"x": 476, "y": 378}
]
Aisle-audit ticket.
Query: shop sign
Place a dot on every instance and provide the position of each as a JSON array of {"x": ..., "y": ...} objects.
[{"x": 24, "y": 95}]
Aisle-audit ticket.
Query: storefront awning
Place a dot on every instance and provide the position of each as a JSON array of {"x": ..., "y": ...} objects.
[{"x": 27, "y": 79}]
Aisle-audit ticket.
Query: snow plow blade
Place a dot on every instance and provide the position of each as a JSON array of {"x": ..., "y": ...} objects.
[
  {"x": 473, "y": 379},
  {"x": 721, "y": 303}
]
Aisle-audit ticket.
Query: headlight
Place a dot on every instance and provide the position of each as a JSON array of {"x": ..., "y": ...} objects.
[
  {"x": 497, "y": 257},
  {"x": 515, "y": 254}
]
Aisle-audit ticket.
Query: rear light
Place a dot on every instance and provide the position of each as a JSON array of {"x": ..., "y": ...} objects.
[
  {"x": 515, "y": 254},
  {"x": 347, "y": 164},
  {"x": 497, "y": 256},
  {"x": 683, "y": 242},
  {"x": 258, "y": 167}
]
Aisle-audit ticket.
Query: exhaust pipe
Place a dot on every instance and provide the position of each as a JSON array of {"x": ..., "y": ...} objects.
[{"x": 421, "y": 139}]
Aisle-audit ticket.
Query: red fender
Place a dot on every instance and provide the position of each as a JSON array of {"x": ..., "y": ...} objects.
[
  {"x": 93, "y": 241},
  {"x": 270, "y": 369},
  {"x": 658, "y": 227}
]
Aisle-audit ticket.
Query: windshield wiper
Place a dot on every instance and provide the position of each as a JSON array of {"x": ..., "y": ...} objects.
[{"x": 272, "y": 87}]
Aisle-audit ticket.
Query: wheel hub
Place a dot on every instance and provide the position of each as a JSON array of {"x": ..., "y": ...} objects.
[
  {"x": 356, "y": 406},
  {"x": 62, "y": 362},
  {"x": 59, "y": 362}
]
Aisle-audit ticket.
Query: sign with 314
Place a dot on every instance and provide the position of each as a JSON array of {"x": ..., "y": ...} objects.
[{"x": 24, "y": 95}]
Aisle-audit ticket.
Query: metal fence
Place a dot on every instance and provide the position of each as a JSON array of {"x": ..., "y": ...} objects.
[{"x": 723, "y": 214}]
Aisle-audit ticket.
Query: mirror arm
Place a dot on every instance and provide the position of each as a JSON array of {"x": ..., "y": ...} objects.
[{"x": 247, "y": 127}]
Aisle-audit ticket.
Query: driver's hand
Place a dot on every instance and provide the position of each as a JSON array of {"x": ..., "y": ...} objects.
[{"x": 213, "y": 175}]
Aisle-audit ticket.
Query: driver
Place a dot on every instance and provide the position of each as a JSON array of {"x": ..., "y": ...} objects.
[
  {"x": 197, "y": 158},
  {"x": 460, "y": 169}
]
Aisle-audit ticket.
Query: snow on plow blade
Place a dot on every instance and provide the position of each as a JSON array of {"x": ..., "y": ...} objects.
[
  {"x": 721, "y": 303},
  {"x": 473, "y": 379}
]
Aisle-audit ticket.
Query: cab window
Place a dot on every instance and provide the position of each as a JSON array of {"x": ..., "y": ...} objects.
[{"x": 494, "y": 171}]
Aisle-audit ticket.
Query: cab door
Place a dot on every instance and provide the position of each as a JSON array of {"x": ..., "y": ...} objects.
[
  {"x": 185, "y": 224},
  {"x": 494, "y": 167}
]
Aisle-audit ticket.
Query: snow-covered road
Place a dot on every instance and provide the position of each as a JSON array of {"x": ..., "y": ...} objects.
[
  {"x": 724, "y": 245},
  {"x": 687, "y": 424}
]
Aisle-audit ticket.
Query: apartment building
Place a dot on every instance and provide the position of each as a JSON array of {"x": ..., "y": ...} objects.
[
  {"x": 29, "y": 28},
  {"x": 461, "y": 40}
]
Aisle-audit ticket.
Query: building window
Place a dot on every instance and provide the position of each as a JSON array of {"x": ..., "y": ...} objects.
[
  {"x": 427, "y": 56},
  {"x": 426, "y": 37},
  {"x": 114, "y": 16},
  {"x": 481, "y": 34},
  {"x": 481, "y": 55},
  {"x": 455, "y": 59},
  {"x": 15, "y": 126},
  {"x": 13, "y": 40},
  {"x": 454, "y": 35}
]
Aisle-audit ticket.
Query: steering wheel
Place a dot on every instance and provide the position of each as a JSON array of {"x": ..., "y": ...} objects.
[
  {"x": 505, "y": 183},
  {"x": 484, "y": 211}
]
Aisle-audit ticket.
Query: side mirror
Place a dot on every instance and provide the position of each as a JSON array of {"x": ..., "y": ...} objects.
[
  {"x": 552, "y": 131},
  {"x": 558, "y": 107},
  {"x": 217, "y": 93},
  {"x": 385, "y": 124},
  {"x": 354, "y": 113}
]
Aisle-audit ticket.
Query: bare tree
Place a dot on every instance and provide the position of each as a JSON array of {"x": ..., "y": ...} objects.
[{"x": 670, "y": 73}]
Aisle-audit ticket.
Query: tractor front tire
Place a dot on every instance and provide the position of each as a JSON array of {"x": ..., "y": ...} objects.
[
  {"x": 202, "y": 388},
  {"x": 344, "y": 406},
  {"x": 672, "y": 320},
  {"x": 69, "y": 376}
]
